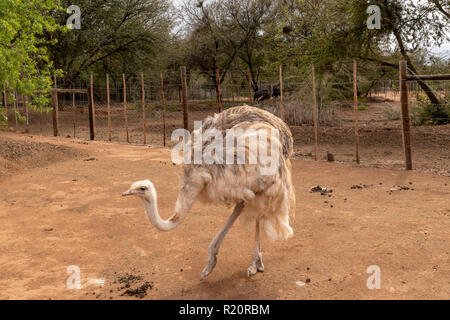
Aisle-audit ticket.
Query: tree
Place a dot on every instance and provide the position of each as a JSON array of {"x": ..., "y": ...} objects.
[
  {"x": 415, "y": 25},
  {"x": 330, "y": 31},
  {"x": 227, "y": 33},
  {"x": 116, "y": 37},
  {"x": 24, "y": 60}
]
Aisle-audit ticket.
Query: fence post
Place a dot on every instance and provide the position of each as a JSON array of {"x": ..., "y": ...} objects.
[
  {"x": 281, "y": 94},
  {"x": 405, "y": 115},
  {"x": 92, "y": 110},
  {"x": 163, "y": 108},
  {"x": 15, "y": 107},
  {"x": 55, "y": 112},
  {"x": 108, "y": 106},
  {"x": 355, "y": 100},
  {"x": 219, "y": 96},
  {"x": 125, "y": 105},
  {"x": 85, "y": 109},
  {"x": 144, "y": 125},
  {"x": 74, "y": 114},
  {"x": 184, "y": 98},
  {"x": 314, "y": 112},
  {"x": 5, "y": 104},
  {"x": 250, "y": 99},
  {"x": 24, "y": 100}
]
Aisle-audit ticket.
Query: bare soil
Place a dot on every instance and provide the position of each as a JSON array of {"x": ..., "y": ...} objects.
[{"x": 62, "y": 210}]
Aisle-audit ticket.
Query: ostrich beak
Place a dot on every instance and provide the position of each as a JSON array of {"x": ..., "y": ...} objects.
[{"x": 128, "y": 193}]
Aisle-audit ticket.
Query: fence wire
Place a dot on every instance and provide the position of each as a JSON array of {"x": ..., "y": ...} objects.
[{"x": 378, "y": 110}]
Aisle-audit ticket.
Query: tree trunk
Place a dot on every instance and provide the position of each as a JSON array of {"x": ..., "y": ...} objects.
[{"x": 425, "y": 87}]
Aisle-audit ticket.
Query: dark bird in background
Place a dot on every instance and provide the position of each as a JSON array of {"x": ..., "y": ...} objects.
[{"x": 265, "y": 94}]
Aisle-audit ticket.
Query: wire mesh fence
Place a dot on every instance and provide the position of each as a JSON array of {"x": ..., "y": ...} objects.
[{"x": 146, "y": 108}]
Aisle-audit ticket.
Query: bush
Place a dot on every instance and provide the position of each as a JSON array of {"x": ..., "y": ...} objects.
[
  {"x": 3, "y": 118},
  {"x": 363, "y": 107},
  {"x": 426, "y": 113},
  {"x": 392, "y": 113},
  {"x": 298, "y": 113}
]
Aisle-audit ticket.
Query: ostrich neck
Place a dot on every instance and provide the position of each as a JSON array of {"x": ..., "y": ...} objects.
[{"x": 151, "y": 208}]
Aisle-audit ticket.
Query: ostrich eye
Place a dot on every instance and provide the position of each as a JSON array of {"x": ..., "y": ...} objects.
[{"x": 143, "y": 188}]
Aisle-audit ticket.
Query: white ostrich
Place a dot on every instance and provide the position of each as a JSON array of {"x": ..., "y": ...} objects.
[{"x": 266, "y": 200}]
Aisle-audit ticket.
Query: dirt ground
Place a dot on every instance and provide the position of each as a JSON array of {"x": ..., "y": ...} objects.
[{"x": 67, "y": 210}]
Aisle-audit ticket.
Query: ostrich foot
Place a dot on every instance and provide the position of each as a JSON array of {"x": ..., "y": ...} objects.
[
  {"x": 212, "y": 261},
  {"x": 256, "y": 266}
]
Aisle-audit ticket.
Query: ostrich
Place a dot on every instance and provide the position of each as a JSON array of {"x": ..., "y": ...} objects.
[
  {"x": 261, "y": 95},
  {"x": 264, "y": 201},
  {"x": 264, "y": 94}
]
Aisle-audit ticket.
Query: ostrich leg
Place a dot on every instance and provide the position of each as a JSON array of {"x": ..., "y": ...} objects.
[
  {"x": 214, "y": 246},
  {"x": 257, "y": 263}
]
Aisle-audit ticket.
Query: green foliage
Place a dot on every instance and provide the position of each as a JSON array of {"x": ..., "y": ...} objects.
[
  {"x": 225, "y": 34},
  {"x": 24, "y": 36},
  {"x": 426, "y": 113},
  {"x": 392, "y": 113},
  {"x": 134, "y": 36},
  {"x": 338, "y": 87},
  {"x": 22, "y": 118},
  {"x": 174, "y": 108},
  {"x": 3, "y": 117},
  {"x": 133, "y": 105},
  {"x": 116, "y": 37},
  {"x": 363, "y": 107},
  {"x": 150, "y": 107}
]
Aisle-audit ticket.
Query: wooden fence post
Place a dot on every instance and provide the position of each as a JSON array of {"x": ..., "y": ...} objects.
[
  {"x": 219, "y": 96},
  {"x": 315, "y": 112},
  {"x": 85, "y": 109},
  {"x": 125, "y": 106},
  {"x": 3, "y": 96},
  {"x": 184, "y": 99},
  {"x": 5, "y": 104},
  {"x": 405, "y": 115},
  {"x": 55, "y": 113},
  {"x": 108, "y": 106},
  {"x": 355, "y": 101},
  {"x": 163, "y": 108},
  {"x": 281, "y": 94},
  {"x": 250, "y": 98},
  {"x": 24, "y": 100},
  {"x": 144, "y": 125},
  {"x": 74, "y": 114},
  {"x": 15, "y": 107},
  {"x": 92, "y": 110}
]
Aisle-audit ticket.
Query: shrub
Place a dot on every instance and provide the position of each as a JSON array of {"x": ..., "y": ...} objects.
[
  {"x": 3, "y": 118},
  {"x": 392, "y": 113},
  {"x": 363, "y": 107},
  {"x": 299, "y": 112},
  {"x": 426, "y": 113}
]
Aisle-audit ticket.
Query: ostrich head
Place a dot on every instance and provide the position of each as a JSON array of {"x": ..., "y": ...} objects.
[
  {"x": 146, "y": 191},
  {"x": 143, "y": 189}
]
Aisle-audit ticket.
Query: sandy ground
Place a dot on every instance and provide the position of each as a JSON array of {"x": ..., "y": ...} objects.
[{"x": 68, "y": 211}]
